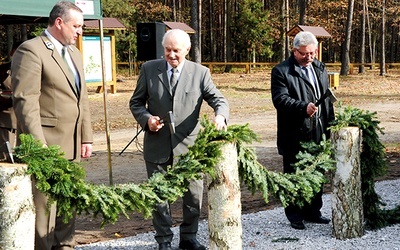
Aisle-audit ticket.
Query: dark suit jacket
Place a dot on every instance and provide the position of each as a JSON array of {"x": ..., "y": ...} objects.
[
  {"x": 291, "y": 93},
  {"x": 7, "y": 116},
  {"x": 153, "y": 96},
  {"x": 45, "y": 101}
]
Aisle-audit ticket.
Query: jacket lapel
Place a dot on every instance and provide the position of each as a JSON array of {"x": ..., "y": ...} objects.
[
  {"x": 60, "y": 62},
  {"x": 163, "y": 75},
  {"x": 184, "y": 79}
]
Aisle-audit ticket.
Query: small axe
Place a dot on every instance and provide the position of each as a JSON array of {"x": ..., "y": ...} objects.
[
  {"x": 168, "y": 119},
  {"x": 329, "y": 93},
  {"x": 7, "y": 152}
]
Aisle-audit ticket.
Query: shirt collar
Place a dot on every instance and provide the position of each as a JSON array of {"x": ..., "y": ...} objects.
[
  {"x": 56, "y": 43},
  {"x": 179, "y": 68}
]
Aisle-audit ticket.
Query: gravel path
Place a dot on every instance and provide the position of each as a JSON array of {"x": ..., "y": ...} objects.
[{"x": 261, "y": 231}]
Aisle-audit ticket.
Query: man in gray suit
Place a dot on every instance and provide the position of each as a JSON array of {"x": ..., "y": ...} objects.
[{"x": 155, "y": 95}]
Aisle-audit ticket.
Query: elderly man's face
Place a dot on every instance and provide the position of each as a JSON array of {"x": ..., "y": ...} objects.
[
  {"x": 305, "y": 54},
  {"x": 174, "y": 51}
]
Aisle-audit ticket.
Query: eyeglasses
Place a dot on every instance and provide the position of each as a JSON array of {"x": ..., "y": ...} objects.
[{"x": 307, "y": 53}]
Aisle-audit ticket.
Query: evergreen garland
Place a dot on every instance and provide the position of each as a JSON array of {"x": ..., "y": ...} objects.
[
  {"x": 64, "y": 181},
  {"x": 373, "y": 164}
]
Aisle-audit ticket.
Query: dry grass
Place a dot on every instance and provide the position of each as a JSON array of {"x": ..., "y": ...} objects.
[{"x": 248, "y": 94}]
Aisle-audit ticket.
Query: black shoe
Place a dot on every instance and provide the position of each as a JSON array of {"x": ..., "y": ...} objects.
[
  {"x": 320, "y": 220},
  {"x": 298, "y": 225},
  {"x": 164, "y": 246},
  {"x": 191, "y": 244}
]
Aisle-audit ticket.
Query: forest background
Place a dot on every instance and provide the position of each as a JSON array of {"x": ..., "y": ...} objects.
[{"x": 361, "y": 31}]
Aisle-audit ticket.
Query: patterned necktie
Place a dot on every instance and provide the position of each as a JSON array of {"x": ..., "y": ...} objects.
[
  {"x": 174, "y": 78},
  {"x": 76, "y": 84}
]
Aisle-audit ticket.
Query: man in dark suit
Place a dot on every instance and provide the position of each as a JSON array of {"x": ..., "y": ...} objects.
[
  {"x": 296, "y": 85},
  {"x": 8, "y": 121},
  {"x": 51, "y": 103},
  {"x": 152, "y": 99}
]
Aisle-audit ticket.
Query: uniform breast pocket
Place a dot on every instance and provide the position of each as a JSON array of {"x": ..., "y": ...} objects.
[{"x": 49, "y": 121}]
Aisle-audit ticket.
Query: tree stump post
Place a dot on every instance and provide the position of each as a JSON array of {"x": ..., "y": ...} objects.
[
  {"x": 224, "y": 204},
  {"x": 17, "y": 210},
  {"x": 347, "y": 204}
]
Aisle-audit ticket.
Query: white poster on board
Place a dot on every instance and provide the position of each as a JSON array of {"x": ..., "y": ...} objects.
[
  {"x": 87, "y": 7},
  {"x": 92, "y": 58}
]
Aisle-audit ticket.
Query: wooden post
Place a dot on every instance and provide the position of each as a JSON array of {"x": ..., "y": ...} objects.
[
  {"x": 17, "y": 211},
  {"x": 224, "y": 205},
  {"x": 347, "y": 205}
]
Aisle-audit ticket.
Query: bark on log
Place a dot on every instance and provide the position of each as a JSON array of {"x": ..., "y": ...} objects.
[
  {"x": 347, "y": 206},
  {"x": 224, "y": 204},
  {"x": 17, "y": 211}
]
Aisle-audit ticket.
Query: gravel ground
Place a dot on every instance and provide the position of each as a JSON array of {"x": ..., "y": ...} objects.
[{"x": 268, "y": 229}]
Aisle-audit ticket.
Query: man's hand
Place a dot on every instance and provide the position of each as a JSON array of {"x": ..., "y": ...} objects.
[
  {"x": 220, "y": 122},
  {"x": 154, "y": 123},
  {"x": 86, "y": 150},
  {"x": 311, "y": 109}
]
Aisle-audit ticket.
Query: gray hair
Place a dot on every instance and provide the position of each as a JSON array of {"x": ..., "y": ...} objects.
[
  {"x": 304, "y": 38},
  {"x": 178, "y": 35},
  {"x": 61, "y": 9}
]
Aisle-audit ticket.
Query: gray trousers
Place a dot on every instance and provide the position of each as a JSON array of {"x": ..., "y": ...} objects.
[{"x": 192, "y": 199}]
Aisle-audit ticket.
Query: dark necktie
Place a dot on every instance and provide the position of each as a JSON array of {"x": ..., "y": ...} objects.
[
  {"x": 174, "y": 78},
  {"x": 71, "y": 72}
]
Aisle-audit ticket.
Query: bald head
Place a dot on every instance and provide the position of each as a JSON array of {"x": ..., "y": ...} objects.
[{"x": 176, "y": 45}]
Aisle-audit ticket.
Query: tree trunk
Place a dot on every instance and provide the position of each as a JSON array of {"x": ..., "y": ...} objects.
[
  {"x": 302, "y": 12},
  {"x": 211, "y": 30},
  {"x": 224, "y": 205},
  {"x": 344, "y": 70},
  {"x": 383, "y": 50},
  {"x": 228, "y": 40},
  {"x": 361, "y": 68},
  {"x": 17, "y": 211},
  {"x": 371, "y": 49},
  {"x": 196, "y": 56},
  {"x": 347, "y": 205},
  {"x": 283, "y": 31}
]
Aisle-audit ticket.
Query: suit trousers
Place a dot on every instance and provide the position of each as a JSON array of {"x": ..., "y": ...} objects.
[
  {"x": 7, "y": 135},
  {"x": 191, "y": 207},
  {"x": 50, "y": 230},
  {"x": 293, "y": 212}
]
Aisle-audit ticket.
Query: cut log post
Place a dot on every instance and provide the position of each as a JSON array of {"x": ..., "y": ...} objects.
[
  {"x": 224, "y": 204},
  {"x": 17, "y": 210},
  {"x": 347, "y": 205}
]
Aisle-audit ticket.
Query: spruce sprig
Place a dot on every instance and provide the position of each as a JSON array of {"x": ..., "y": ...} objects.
[{"x": 298, "y": 188}]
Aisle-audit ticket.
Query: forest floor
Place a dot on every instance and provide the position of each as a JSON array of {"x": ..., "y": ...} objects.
[{"x": 249, "y": 97}]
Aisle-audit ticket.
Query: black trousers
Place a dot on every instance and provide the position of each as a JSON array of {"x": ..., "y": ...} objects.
[{"x": 293, "y": 212}]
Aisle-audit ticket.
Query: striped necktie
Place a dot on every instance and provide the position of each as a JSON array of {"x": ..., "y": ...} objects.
[
  {"x": 310, "y": 75},
  {"x": 174, "y": 78}
]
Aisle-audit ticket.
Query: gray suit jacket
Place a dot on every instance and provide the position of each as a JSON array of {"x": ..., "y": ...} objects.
[{"x": 153, "y": 96}]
